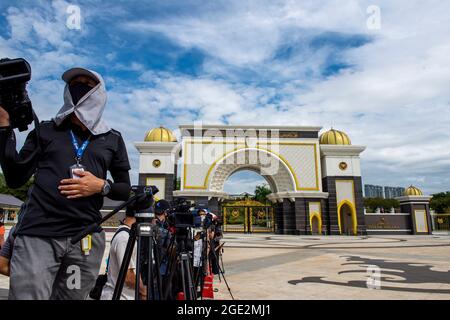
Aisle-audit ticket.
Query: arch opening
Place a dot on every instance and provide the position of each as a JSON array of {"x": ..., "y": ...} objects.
[
  {"x": 245, "y": 180},
  {"x": 316, "y": 223},
  {"x": 248, "y": 211},
  {"x": 274, "y": 170},
  {"x": 347, "y": 218}
]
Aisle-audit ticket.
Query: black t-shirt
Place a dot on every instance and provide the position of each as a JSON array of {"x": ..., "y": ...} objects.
[{"x": 47, "y": 212}]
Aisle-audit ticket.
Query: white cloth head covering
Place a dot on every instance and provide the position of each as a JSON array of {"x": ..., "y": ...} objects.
[{"x": 90, "y": 108}]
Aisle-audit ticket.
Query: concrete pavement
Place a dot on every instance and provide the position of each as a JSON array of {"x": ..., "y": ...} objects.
[{"x": 313, "y": 267}]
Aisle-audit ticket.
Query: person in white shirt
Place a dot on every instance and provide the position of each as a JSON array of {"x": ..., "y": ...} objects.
[{"x": 116, "y": 254}]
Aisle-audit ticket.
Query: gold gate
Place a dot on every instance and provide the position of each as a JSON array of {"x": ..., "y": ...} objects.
[
  {"x": 248, "y": 216},
  {"x": 441, "y": 222}
]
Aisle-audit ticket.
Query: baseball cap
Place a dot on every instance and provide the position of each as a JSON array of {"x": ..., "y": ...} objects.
[{"x": 74, "y": 72}]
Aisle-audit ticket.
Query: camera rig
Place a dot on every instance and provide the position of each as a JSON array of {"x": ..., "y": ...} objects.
[{"x": 14, "y": 75}]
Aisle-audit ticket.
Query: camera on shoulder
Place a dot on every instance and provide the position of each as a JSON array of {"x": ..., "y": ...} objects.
[{"x": 14, "y": 75}]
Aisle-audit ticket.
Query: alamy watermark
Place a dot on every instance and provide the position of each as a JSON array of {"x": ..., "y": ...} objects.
[
  {"x": 258, "y": 148},
  {"x": 373, "y": 277},
  {"x": 74, "y": 279},
  {"x": 73, "y": 21},
  {"x": 373, "y": 21}
]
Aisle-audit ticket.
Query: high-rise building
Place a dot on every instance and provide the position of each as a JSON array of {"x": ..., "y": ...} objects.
[
  {"x": 372, "y": 191},
  {"x": 393, "y": 192}
]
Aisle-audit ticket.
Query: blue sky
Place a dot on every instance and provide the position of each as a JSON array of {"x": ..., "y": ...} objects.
[{"x": 263, "y": 62}]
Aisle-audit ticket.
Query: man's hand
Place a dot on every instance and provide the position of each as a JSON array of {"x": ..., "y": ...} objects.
[
  {"x": 85, "y": 186},
  {"x": 4, "y": 118}
]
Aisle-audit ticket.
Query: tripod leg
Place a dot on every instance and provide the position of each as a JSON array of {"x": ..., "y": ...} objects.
[
  {"x": 187, "y": 277},
  {"x": 190, "y": 276},
  {"x": 125, "y": 263},
  {"x": 158, "y": 270},
  {"x": 203, "y": 268},
  {"x": 183, "y": 278},
  {"x": 222, "y": 273},
  {"x": 171, "y": 265},
  {"x": 151, "y": 277}
]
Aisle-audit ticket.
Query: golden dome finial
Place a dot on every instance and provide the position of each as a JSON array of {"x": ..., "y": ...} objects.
[
  {"x": 160, "y": 134},
  {"x": 413, "y": 191},
  {"x": 335, "y": 137}
]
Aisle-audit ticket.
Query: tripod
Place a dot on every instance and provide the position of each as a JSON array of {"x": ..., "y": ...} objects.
[
  {"x": 181, "y": 261},
  {"x": 203, "y": 268},
  {"x": 206, "y": 258},
  {"x": 144, "y": 233}
]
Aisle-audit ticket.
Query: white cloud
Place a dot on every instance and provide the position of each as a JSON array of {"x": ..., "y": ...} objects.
[
  {"x": 395, "y": 100},
  {"x": 242, "y": 33}
]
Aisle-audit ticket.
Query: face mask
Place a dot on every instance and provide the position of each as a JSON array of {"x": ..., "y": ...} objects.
[{"x": 78, "y": 91}]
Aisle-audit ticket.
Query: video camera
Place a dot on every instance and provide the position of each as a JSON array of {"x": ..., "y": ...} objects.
[
  {"x": 179, "y": 215},
  {"x": 14, "y": 75},
  {"x": 143, "y": 204}
]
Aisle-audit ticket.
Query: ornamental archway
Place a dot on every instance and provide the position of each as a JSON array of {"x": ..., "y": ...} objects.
[
  {"x": 269, "y": 165},
  {"x": 310, "y": 176}
]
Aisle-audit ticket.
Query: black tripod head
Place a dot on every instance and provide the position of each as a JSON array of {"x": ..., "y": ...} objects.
[
  {"x": 139, "y": 205},
  {"x": 142, "y": 207}
]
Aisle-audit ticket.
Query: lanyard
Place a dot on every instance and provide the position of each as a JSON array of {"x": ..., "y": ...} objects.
[{"x": 78, "y": 150}]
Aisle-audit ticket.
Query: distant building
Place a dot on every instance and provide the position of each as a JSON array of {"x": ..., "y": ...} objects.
[
  {"x": 372, "y": 191},
  {"x": 240, "y": 196},
  {"x": 393, "y": 192},
  {"x": 9, "y": 208}
]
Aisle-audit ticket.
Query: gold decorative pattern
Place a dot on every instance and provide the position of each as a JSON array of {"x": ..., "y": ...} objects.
[
  {"x": 261, "y": 214},
  {"x": 156, "y": 163},
  {"x": 243, "y": 147},
  {"x": 343, "y": 166},
  {"x": 244, "y": 203}
]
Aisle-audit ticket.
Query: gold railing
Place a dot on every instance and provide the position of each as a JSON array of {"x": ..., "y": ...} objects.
[
  {"x": 248, "y": 217},
  {"x": 441, "y": 222}
]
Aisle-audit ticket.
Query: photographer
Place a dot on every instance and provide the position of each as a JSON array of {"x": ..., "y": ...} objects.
[
  {"x": 116, "y": 254},
  {"x": 161, "y": 209},
  {"x": 77, "y": 149}
]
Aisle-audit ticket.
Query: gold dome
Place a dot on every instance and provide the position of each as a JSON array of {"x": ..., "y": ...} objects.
[
  {"x": 160, "y": 134},
  {"x": 335, "y": 137},
  {"x": 413, "y": 191}
]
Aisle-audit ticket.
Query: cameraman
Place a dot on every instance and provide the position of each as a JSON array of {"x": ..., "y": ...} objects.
[
  {"x": 77, "y": 149},
  {"x": 162, "y": 208},
  {"x": 117, "y": 252}
]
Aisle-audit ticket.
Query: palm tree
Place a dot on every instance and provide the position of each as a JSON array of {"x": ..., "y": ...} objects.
[{"x": 261, "y": 193}]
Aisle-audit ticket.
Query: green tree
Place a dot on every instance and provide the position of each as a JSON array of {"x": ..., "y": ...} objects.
[
  {"x": 386, "y": 204},
  {"x": 20, "y": 193},
  {"x": 440, "y": 202},
  {"x": 261, "y": 193}
]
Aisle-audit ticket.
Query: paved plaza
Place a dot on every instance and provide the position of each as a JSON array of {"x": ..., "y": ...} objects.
[
  {"x": 312, "y": 267},
  {"x": 309, "y": 267}
]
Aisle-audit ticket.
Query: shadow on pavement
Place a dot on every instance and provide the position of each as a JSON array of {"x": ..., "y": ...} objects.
[{"x": 391, "y": 272}]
